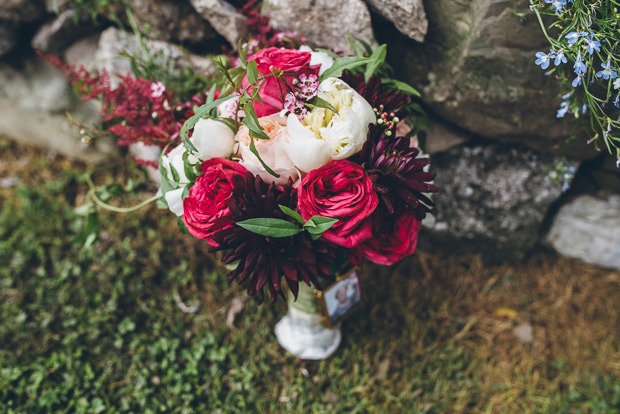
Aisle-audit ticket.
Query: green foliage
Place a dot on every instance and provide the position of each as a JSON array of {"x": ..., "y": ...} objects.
[
  {"x": 93, "y": 8},
  {"x": 595, "y": 96},
  {"x": 271, "y": 227}
]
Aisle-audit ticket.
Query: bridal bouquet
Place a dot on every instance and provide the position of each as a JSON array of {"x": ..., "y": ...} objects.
[{"x": 298, "y": 162}]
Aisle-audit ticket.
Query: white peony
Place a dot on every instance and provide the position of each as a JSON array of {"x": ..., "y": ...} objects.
[
  {"x": 318, "y": 58},
  {"x": 212, "y": 139},
  {"x": 323, "y": 135}
]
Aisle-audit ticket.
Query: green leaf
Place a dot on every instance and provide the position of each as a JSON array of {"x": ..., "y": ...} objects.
[
  {"x": 243, "y": 53},
  {"x": 188, "y": 168},
  {"x": 342, "y": 64},
  {"x": 211, "y": 95},
  {"x": 405, "y": 88},
  {"x": 316, "y": 236},
  {"x": 318, "y": 224},
  {"x": 354, "y": 46},
  {"x": 92, "y": 229},
  {"x": 365, "y": 45},
  {"x": 329, "y": 52},
  {"x": 251, "y": 121},
  {"x": 378, "y": 58},
  {"x": 322, "y": 103},
  {"x": 175, "y": 173},
  {"x": 270, "y": 227},
  {"x": 252, "y": 72},
  {"x": 181, "y": 225},
  {"x": 291, "y": 213},
  {"x": 230, "y": 123},
  {"x": 255, "y": 152},
  {"x": 165, "y": 180}
]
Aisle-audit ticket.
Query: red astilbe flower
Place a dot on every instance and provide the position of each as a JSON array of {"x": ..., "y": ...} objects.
[
  {"x": 137, "y": 110},
  {"x": 376, "y": 93},
  {"x": 262, "y": 33},
  {"x": 257, "y": 24},
  {"x": 263, "y": 261},
  {"x": 397, "y": 174}
]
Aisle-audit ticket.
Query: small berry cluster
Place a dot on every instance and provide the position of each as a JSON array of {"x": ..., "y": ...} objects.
[{"x": 388, "y": 119}]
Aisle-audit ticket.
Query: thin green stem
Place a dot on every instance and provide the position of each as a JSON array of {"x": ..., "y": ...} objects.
[{"x": 92, "y": 194}]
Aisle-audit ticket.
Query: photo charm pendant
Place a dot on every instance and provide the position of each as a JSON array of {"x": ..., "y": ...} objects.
[{"x": 340, "y": 299}]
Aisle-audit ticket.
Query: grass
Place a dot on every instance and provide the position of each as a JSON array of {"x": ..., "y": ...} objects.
[{"x": 100, "y": 331}]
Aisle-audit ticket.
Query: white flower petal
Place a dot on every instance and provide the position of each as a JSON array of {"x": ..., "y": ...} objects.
[
  {"x": 318, "y": 58},
  {"x": 174, "y": 198},
  {"x": 174, "y": 158},
  {"x": 212, "y": 139}
]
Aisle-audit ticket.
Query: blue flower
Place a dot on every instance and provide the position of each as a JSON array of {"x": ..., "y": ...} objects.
[
  {"x": 607, "y": 72},
  {"x": 559, "y": 57},
  {"x": 557, "y": 5},
  {"x": 617, "y": 84},
  {"x": 565, "y": 186},
  {"x": 593, "y": 44},
  {"x": 563, "y": 110},
  {"x": 617, "y": 101},
  {"x": 577, "y": 81},
  {"x": 543, "y": 60},
  {"x": 580, "y": 67},
  {"x": 584, "y": 108},
  {"x": 572, "y": 38}
]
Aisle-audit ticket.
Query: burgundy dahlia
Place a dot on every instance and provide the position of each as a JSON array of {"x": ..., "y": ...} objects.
[
  {"x": 264, "y": 260},
  {"x": 398, "y": 176}
]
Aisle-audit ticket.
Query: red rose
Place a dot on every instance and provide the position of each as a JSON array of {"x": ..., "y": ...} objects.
[
  {"x": 340, "y": 189},
  {"x": 286, "y": 60},
  {"x": 205, "y": 209},
  {"x": 397, "y": 238}
]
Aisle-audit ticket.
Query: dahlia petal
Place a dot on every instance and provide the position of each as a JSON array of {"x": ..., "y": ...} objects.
[
  {"x": 289, "y": 270},
  {"x": 293, "y": 285}
]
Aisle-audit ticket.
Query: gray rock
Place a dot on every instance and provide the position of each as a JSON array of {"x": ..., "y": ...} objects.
[
  {"x": 113, "y": 41},
  {"x": 224, "y": 19},
  {"x": 476, "y": 69},
  {"x": 493, "y": 200},
  {"x": 52, "y": 6},
  {"x": 441, "y": 137},
  {"x": 324, "y": 22},
  {"x": 33, "y": 101},
  {"x": 21, "y": 10},
  {"x": 169, "y": 20},
  {"x": 83, "y": 52},
  {"x": 588, "y": 228},
  {"x": 8, "y": 39},
  {"x": 53, "y": 37},
  {"x": 407, "y": 15}
]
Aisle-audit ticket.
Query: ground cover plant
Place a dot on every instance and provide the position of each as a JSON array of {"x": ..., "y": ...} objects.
[{"x": 101, "y": 330}]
